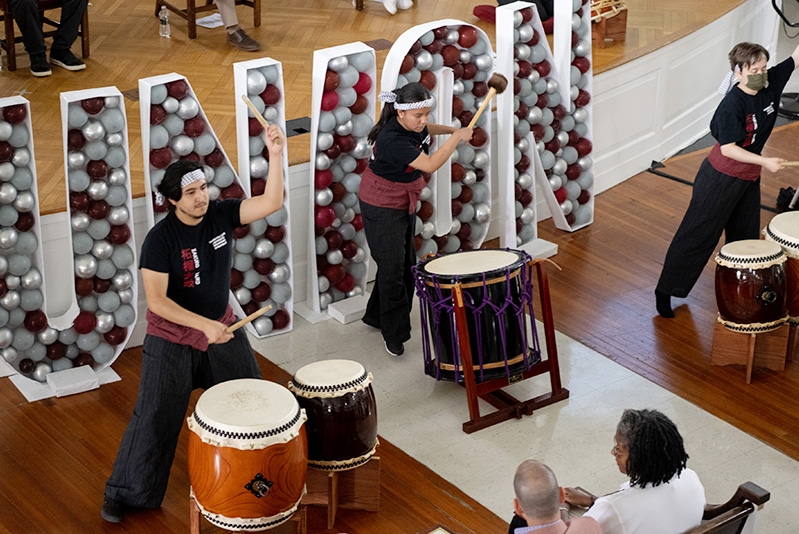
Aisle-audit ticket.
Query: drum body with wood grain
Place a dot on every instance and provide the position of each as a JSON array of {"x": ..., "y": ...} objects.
[
  {"x": 783, "y": 229},
  {"x": 248, "y": 454},
  {"x": 751, "y": 286},
  {"x": 497, "y": 292},
  {"x": 338, "y": 399}
]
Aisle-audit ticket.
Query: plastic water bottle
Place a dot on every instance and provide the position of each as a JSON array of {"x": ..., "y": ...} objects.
[{"x": 163, "y": 27}]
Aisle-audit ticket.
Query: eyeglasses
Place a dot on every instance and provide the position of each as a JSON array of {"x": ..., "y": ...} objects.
[{"x": 616, "y": 450}]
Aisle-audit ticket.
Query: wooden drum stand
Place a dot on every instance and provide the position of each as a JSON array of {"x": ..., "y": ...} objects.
[{"x": 491, "y": 390}]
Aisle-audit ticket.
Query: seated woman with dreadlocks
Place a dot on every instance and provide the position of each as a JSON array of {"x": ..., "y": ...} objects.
[{"x": 662, "y": 496}]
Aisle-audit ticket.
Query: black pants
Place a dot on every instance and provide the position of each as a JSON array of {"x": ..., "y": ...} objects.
[
  {"x": 169, "y": 373},
  {"x": 389, "y": 233},
  {"x": 26, "y": 15},
  {"x": 720, "y": 203}
]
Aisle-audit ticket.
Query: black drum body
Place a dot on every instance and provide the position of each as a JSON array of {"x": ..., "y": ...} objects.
[{"x": 495, "y": 301}]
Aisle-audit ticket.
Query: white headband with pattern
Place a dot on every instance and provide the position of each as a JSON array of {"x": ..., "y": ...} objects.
[
  {"x": 390, "y": 97},
  {"x": 191, "y": 177}
]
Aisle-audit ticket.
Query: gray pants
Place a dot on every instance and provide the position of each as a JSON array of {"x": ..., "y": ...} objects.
[{"x": 170, "y": 372}]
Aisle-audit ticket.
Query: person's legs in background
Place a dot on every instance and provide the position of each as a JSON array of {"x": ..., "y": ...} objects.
[{"x": 236, "y": 37}]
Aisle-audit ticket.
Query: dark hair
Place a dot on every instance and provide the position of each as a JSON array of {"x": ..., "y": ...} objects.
[
  {"x": 170, "y": 183},
  {"x": 656, "y": 451},
  {"x": 411, "y": 92},
  {"x": 746, "y": 54}
]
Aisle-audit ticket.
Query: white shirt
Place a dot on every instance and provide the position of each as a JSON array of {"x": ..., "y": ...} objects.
[{"x": 670, "y": 508}]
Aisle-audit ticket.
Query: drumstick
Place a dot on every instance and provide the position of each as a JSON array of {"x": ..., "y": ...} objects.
[
  {"x": 254, "y": 315},
  {"x": 790, "y": 163},
  {"x": 793, "y": 200},
  {"x": 496, "y": 84},
  {"x": 260, "y": 118}
]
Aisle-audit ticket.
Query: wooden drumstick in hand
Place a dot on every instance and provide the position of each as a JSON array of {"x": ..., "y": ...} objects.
[
  {"x": 260, "y": 118},
  {"x": 253, "y": 316},
  {"x": 496, "y": 84},
  {"x": 790, "y": 164}
]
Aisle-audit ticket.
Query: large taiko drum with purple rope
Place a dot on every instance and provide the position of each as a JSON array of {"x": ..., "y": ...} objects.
[
  {"x": 337, "y": 396},
  {"x": 783, "y": 229},
  {"x": 751, "y": 286},
  {"x": 497, "y": 295},
  {"x": 248, "y": 454}
]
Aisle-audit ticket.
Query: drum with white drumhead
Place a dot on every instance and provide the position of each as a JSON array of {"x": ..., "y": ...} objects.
[
  {"x": 248, "y": 454},
  {"x": 751, "y": 286},
  {"x": 783, "y": 229},
  {"x": 342, "y": 415}
]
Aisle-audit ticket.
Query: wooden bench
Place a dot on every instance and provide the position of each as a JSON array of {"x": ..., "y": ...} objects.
[{"x": 730, "y": 517}]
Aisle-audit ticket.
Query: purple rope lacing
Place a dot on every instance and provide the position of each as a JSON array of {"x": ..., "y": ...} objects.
[{"x": 440, "y": 303}]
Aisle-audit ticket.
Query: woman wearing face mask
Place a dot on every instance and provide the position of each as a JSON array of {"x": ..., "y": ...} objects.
[{"x": 726, "y": 196}]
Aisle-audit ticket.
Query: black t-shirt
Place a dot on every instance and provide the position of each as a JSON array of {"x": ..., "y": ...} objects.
[
  {"x": 747, "y": 120},
  {"x": 395, "y": 149},
  {"x": 197, "y": 258}
]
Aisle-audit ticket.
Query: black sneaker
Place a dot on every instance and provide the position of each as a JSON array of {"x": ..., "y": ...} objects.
[
  {"x": 66, "y": 60},
  {"x": 39, "y": 66},
  {"x": 113, "y": 511},
  {"x": 395, "y": 349}
]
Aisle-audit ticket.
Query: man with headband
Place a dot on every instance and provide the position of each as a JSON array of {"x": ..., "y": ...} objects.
[{"x": 185, "y": 266}]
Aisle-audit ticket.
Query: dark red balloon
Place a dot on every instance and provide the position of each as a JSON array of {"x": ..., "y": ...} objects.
[
  {"x": 582, "y": 63},
  {"x": 100, "y": 285},
  {"x": 466, "y": 194},
  {"x": 236, "y": 278},
  {"x": 361, "y": 105},
  {"x": 234, "y": 190},
  {"x": 469, "y": 71},
  {"x": 3, "y": 287},
  {"x": 346, "y": 142},
  {"x": 407, "y": 63},
  {"x": 334, "y": 272},
  {"x": 92, "y": 106},
  {"x": 451, "y": 55},
  {"x": 242, "y": 231},
  {"x": 349, "y": 249},
  {"x": 415, "y": 48},
  {"x": 257, "y": 186},
  {"x": 329, "y": 100},
  {"x": 56, "y": 350},
  {"x": 75, "y": 139},
  {"x": 84, "y": 322},
  {"x": 84, "y": 358},
  {"x": 215, "y": 158},
  {"x": 584, "y": 147},
  {"x": 26, "y": 365},
  {"x": 363, "y": 84},
  {"x": 323, "y": 178},
  {"x": 15, "y": 114},
  {"x": 584, "y": 197},
  {"x": 263, "y": 266},
  {"x": 339, "y": 191},
  {"x": 560, "y": 194},
  {"x": 434, "y": 47},
  {"x": 35, "y": 321},
  {"x": 526, "y": 198},
  {"x": 116, "y": 335},
  {"x": 428, "y": 79},
  {"x": 524, "y": 163},
  {"x": 6, "y": 151},
  {"x": 160, "y": 158},
  {"x": 457, "y": 71},
  {"x": 464, "y": 231},
  {"x": 467, "y": 36},
  {"x": 157, "y": 114},
  {"x": 525, "y": 68},
  {"x": 456, "y": 207},
  {"x": 280, "y": 319},
  {"x": 332, "y": 79},
  {"x": 262, "y": 292},
  {"x": 97, "y": 169},
  {"x": 479, "y": 137},
  {"x": 271, "y": 95},
  {"x": 346, "y": 284},
  {"x": 194, "y": 127},
  {"x": 425, "y": 210},
  {"x": 543, "y": 101},
  {"x": 360, "y": 165},
  {"x": 254, "y": 127},
  {"x": 457, "y": 172},
  {"x": 333, "y": 152},
  {"x": 573, "y": 171},
  {"x": 98, "y": 209},
  {"x": 522, "y": 111},
  {"x": 570, "y": 219},
  {"x": 275, "y": 234},
  {"x": 119, "y": 234},
  {"x": 25, "y": 221},
  {"x": 527, "y": 14},
  {"x": 543, "y": 68},
  {"x": 79, "y": 201},
  {"x": 480, "y": 89},
  {"x": 457, "y": 106},
  {"x": 250, "y": 307},
  {"x": 192, "y": 156},
  {"x": 177, "y": 89},
  {"x": 334, "y": 239},
  {"x": 357, "y": 222}
]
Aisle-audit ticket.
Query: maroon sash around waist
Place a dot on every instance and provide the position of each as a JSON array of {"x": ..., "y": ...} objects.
[
  {"x": 384, "y": 193},
  {"x": 183, "y": 335},
  {"x": 731, "y": 167}
]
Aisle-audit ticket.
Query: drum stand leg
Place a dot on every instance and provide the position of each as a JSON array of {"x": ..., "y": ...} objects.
[
  {"x": 764, "y": 349},
  {"x": 490, "y": 391},
  {"x": 194, "y": 512},
  {"x": 791, "y": 342},
  {"x": 357, "y": 488}
]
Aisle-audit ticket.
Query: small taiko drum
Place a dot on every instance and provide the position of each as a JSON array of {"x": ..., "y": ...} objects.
[
  {"x": 248, "y": 454},
  {"x": 497, "y": 294},
  {"x": 342, "y": 415},
  {"x": 751, "y": 286},
  {"x": 783, "y": 229}
]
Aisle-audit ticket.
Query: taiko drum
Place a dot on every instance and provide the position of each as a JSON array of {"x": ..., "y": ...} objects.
[
  {"x": 248, "y": 454},
  {"x": 338, "y": 398},
  {"x": 783, "y": 229},
  {"x": 751, "y": 286}
]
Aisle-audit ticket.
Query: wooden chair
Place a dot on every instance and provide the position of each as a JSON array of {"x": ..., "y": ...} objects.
[
  {"x": 730, "y": 517},
  {"x": 190, "y": 13},
  {"x": 8, "y": 44}
]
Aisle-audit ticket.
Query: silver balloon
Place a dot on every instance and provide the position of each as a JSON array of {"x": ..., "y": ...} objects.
[
  {"x": 583, "y": 48},
  {"x": 560, "y": 166},
  {"x": 527, "y": 216},
  {"x": 5, "y": 130},
  {"x": 6, "y": 170},
  {"x": 334, "y": 257},
  {"x": 122, "y": 280},
  {"x": 580, "y": 115},
  {"x": 555, "y": 182},
  {"x": 325, "y": 300},
  {"x": 8, "y": 193},
  {"x": 117, "y": 177},
  {"x": 428, "y": 229},
  {"x": 324, "y": 141},
  {"x": 486, "y": 62},
  {"x": 85, "y": 266},
  {"x": 452, "y": 36},
  {"x": 323, "y": 197},
  {"x": 6, "y": 337},
  {"x": 280, "y": 274},
  {"x": 19, "y": 136},
  {"x": 362, "y": 149},
  {"x": 258, "y": 167},
  {"x": 585, "y": 163},
  {"x": 21, "y": 157},
  {"x": 115, "y": 139},
  {"x": 76, "y": 159},
  {"x": 9, "y": 354},
  {"x": 264, "y": 248},
  {"x": 97, "y": 190},
  {"x": 344, "y": 128},
  {"x": 482, "y": 213},
  {"x": 117, "y": 215},
  {"x": 105, "y": 322},
  {"x": 93, "y": 130},
  {"x": 188, "y": 108},
  {"x": 256, "y": 82},
  {"x": 182, "y": 145},
  {"x": 338, "y": 64},
  {"x": 243, "y": 295},
  {"x": 322, "y": 161},
  {"x": 424, "y": 60},
  {"x": 263, "y": 326},
  {"x": 10, "y": 300},
  {"x": 8, "y": 238},
  {"x": 102, "y": 250},
  {"x": 41, "y": 371},
  {"x": 481, "y": 159},
  {"x": 32, "y": 279},
  {"x": 125, "y": 296},
  {"x": 159, "y": 136}
]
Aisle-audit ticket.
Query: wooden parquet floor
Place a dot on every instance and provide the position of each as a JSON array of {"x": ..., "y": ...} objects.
[{"x": 125, "y": 47}]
